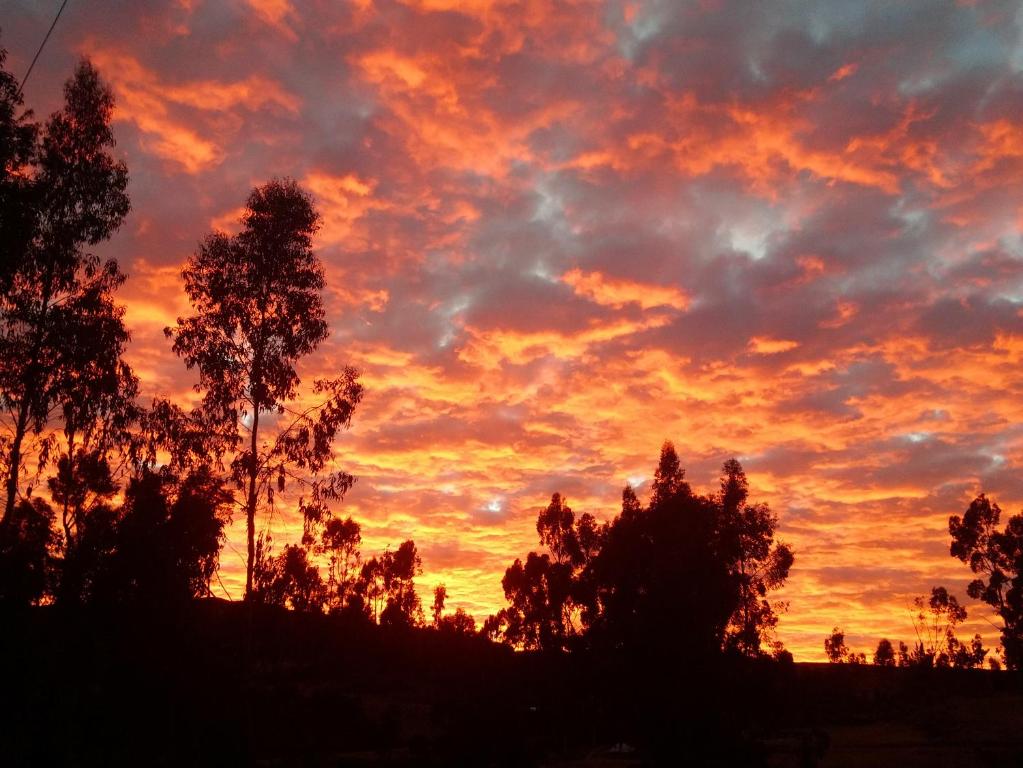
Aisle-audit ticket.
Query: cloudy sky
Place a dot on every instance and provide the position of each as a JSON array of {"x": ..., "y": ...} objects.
[{"x": 558, "y": 233}]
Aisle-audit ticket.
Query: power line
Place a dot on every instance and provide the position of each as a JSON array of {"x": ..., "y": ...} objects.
[{"x": 41, "y": 46}]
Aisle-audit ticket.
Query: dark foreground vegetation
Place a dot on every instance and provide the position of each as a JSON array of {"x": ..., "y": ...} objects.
[{"x": 221, "y": 683}]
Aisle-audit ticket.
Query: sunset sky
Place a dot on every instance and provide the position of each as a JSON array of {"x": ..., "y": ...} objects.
[{"x": 558, "y": 233}]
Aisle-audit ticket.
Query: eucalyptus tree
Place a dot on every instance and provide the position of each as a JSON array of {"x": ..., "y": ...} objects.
[
  {"x": 995, "y": 555},
  {"x": 61, "y": 333},
  {"x": 258, "y": 310},
  {"x": 758, "y": 564}
]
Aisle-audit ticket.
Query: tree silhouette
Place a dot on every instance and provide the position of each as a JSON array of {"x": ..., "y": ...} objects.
[
  {"x": 539, "y": 594},
  {"x": 399, "y": 569},
  {"x": 440, "y": 594},
  {"x": 340, "y": 540},
  {"x": 161, "y": 547},
  {"x": 967, "y": 655},
  {"x": 547, "y": 590},
  {"x": 659, "y": 582},
  {"x": 835, "y": 648},
  {"x": 258, "y": 310},
  {"x": 997, "y": 557},
  {"x": 387, "y": 587},
  {"x": 746, "y": 541},
  {"x": 61, "y": 335},
  {"x": 884, "y": 656},
  {"x": 458, "y": 623},
  {"x": 934, "y": 622},
  {"x": 287, "y": 580}
]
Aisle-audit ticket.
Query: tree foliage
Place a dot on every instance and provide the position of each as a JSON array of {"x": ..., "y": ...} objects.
[
  {"x": 287, "y": 580},
  {"x": 996, "y": 556},
  {"x": 746, "y": 541},
  {"x": 160, "y": 547},
  {"x": 934, "y": 622},
  {"x": 61, "y": 334},
  {"x": 258, "y": 311},
  {"x": 340, "y": 541},
  {"x": 687, "y": 574}
]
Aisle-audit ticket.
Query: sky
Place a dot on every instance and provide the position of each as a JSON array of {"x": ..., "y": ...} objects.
[{"x": 556, "y": 234}]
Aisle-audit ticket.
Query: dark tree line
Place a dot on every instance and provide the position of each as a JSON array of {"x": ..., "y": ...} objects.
[
  {"x": 688, "y": 574},
  {"x": 106, "y": 499},
  {"x": 995, "y": 555},
  {"x": 935, "y": 619}
]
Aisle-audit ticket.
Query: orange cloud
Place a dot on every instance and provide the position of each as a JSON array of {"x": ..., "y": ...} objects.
[
  {"x": 616, "y": 293},
  {"x": 151, "y": 104},
  {"x": 765, "y": 346}
]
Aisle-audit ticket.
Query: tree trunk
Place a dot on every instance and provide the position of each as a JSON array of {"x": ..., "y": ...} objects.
[{"x": 250, "y": 504}]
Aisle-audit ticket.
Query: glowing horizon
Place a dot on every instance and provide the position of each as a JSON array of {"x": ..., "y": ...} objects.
[{"x": 557, "y": 234}]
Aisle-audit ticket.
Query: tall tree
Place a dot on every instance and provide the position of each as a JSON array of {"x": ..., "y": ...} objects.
[
  {"x": 258, "y": 311},
  {"x": 745, "y": 534},
  {"x": 996, "y": 556},
  {"x": 61, "y": 335}
]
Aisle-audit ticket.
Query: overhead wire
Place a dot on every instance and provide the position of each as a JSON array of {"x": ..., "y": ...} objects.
[{"x": 42, "y": 45}]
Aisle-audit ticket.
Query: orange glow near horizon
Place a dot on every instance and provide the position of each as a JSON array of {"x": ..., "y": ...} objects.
[{"x": 557, "y": 234}]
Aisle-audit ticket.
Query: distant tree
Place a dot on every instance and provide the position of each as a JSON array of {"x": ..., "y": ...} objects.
[
  {"x": 399, "y": 569},
  {"x": 835, "y": 648},
  {"x": 660, "y": 585},
  {"x": 258, "y": 311},
  {"x": 904, "y": 656},
  {"x": 340, "y": 541},
  {"x": 997, "y": 557},
  {"x": 387, "y": 587},
  {"x": 440, "y": 594},
  {"x": 934, "y": 622},
  {"x": 458, "y": 623},
  {"x": 371, "y": 590},
  {"x": 287, "y": 580},
  {"x": 61, "y": 335},
  {"x": 884, "y": 656},
  {"x": 746, "y": 541}
]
